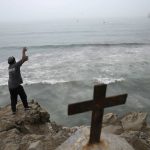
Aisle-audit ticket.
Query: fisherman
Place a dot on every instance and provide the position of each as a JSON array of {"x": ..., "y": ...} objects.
[{"x": 15, "y": 81}]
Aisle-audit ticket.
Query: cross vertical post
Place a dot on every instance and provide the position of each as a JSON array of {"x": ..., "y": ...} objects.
[{"x": 97, "y": 115}]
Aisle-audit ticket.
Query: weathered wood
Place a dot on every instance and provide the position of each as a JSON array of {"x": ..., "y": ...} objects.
[
  {"x": 91, "y": 105},
  {"x": 97, "y": 106},
  {"x": 97, "y": 114},
  {"x": 80, "y": 107}
]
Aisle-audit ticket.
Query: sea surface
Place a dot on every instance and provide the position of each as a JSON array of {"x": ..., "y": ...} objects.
[{"x": 68, "y": 57}]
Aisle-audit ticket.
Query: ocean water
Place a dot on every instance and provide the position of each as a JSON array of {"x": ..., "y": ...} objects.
[{"x": 68, "y": 57}]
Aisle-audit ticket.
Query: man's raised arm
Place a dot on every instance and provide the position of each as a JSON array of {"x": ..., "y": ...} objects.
[{"x": 24, "y": 57}]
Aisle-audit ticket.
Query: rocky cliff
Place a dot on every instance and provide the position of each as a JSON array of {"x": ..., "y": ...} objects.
[{"x": 33, "y": 130}]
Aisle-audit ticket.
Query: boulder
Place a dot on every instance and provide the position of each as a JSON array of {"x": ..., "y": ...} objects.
[
  {"x": 113, "y": 129},
  {"x": 141, "y": 144},
  {"x": 36, "y": 146},
  {"x": 31, "y": 129},
  {"x": 139, "y": 140},
  {"x": 134, "y": 121},
  {"x": 11, "y": 146},
  {"x": 110, "y": 118},
  {"x": 79, "y": 141},
  {"x": 32, "y": 138},
  {"x": 6, "y": 124},
  {"x": 11, "y": 136}
]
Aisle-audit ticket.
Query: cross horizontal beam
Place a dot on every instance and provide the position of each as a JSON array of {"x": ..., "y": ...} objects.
[{"x": 93, "y": 105}]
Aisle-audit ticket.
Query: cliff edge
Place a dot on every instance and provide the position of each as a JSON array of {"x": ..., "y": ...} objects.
[{"x": 33, "y": 129}]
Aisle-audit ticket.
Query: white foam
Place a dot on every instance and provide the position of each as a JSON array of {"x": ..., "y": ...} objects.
[
  {"x": 45, "y": 82},
  {"x": 85, "y": 63},
  {"x": 108, "y": 80},
  {"x": 58, "y": 67},
  {"x": 3, "y": 73}
]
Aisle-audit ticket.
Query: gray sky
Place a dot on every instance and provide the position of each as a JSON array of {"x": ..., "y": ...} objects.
[{"x": 30, "y": 10}]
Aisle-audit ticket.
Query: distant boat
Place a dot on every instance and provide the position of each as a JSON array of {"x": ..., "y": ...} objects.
[{"x": 149, "y": 15}]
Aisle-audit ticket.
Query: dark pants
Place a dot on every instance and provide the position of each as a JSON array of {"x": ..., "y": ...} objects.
[{"x": 14, "y": 94}]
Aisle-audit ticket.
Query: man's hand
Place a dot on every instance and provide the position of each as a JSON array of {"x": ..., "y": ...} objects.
[
  {"x": 24, "y": 50},
  {"x": 24, "y": 57}
]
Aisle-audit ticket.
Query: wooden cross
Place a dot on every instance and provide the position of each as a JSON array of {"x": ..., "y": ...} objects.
[{"x": 97, "y": 106}]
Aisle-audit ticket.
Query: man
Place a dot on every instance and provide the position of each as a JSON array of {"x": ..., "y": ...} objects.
[{"x": 15, "y": 81}]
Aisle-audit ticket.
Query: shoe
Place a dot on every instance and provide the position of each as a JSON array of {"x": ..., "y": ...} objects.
[{"x": 13, "y": 113}]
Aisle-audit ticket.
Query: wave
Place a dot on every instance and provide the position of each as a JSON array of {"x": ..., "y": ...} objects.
[
  {"x": 108, "y": 80},
  {"x": 54, "y": 82},
  {"x": 77, "y": 45}
]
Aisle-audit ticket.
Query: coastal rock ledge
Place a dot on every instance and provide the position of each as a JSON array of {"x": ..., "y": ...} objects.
[{"x": 33, "y": 130}]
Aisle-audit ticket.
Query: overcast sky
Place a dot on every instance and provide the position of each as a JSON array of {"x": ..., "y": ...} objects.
[{"x": 30, "y": 10}]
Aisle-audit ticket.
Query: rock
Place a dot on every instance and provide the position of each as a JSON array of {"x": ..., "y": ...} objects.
[
  {"x": 140, "y": 144},
  {"x": 147, "y": 129},
  {"x": 113, "y": 129},
  {"x": 44, "y": 116},
  {"x": 143, "y": 142},
  {"x": 11, "y": 136},
  {"x": 6, "y": 125},
  {"x": 79, "y": 141},
  {"x": 55, "y": 127},
  {"x": 134, "y": 121},
  {"x": 33, "y": 117},
  {"x": 139, "y": 140},
  {"x": 37, "y": 115},
  {"x": 35, "y": 106},
  {"x": 10, "y": 139},
  {"x": 32, "y": 137},
  {"x": 11, "y": 146},
  {"x": 36, "y": 146},
  {"x": 30, "y": 129},
  {"x": 130, "y": 136},
  {"x": 110, "y": 118}
]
